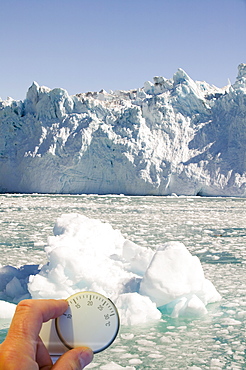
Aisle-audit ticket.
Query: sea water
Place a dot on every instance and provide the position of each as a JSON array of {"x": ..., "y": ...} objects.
[{"x": 213, "y": 229}]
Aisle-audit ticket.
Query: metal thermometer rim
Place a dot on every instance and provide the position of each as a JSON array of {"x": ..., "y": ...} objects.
[{"x": 102, "y": 297}]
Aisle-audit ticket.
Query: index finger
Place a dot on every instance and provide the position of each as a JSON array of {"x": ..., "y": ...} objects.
[{"x": 30, "y": 315}]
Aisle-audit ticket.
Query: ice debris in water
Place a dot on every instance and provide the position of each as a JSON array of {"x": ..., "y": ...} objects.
[{"x": 87, "y": 254}]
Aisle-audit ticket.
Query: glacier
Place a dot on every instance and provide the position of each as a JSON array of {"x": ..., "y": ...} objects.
[{"x": 170, "y": 136}]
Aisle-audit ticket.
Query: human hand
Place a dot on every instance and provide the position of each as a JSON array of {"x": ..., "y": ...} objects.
[{"x": 23, "y": 348}]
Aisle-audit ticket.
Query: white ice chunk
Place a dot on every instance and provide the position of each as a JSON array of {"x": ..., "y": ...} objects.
[
  {"x": 173, "y": 273},
  {"x": 188, "y": 307},
  {"x": 138, "y": 257},
  {"x": 231, "y": 322},
  {"x": 135, "y": 361},
  {"x": 84, "y": 254},
  {"x": 175, "y": 279},
  {"x": 209, "y": 294},
  {"x": 135, "y": 309},
  {"x": 7, "y": 310},
  {"x": 113, "y": 366}
]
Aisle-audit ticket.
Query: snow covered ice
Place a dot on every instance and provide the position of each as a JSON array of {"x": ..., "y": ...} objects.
[
  {"x": 170, "y": 136},
  {"x": 87, "y": 254}
]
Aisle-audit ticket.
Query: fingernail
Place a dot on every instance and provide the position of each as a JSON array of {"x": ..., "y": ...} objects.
[{"x": 85, "y": 357}]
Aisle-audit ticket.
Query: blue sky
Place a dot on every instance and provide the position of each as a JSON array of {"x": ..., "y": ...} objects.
[{"x": 89, "y": 45}]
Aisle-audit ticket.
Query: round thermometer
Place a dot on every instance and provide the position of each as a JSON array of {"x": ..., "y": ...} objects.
[{"x": 91, "y": 320}]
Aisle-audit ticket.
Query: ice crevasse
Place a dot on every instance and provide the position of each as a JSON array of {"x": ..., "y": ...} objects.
[{"x": 87, "y": 254}]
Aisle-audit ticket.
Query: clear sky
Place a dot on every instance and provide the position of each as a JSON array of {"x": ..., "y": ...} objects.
[{"x": 89, "y": 45}]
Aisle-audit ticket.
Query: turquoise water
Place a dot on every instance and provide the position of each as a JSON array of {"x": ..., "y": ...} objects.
[{"x": 214, "y": 229}]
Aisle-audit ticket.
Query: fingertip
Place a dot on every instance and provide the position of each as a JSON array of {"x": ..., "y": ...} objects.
[
  {"x": 85, "y": 356},
  {"x": 76, "y": 358}
]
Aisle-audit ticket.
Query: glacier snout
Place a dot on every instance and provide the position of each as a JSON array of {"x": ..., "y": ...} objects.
[{"x": 171, "y": 136}]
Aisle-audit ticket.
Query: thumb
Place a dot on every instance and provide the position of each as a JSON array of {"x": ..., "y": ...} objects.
[{"x": 75, "y": 359}]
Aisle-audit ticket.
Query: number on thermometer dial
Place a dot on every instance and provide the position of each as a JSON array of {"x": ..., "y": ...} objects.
[{"x": 91, "y": 320}]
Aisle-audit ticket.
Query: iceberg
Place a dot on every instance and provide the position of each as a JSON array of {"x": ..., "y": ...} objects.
[
  {"x": 88, "y": 254},
  {"x": 169, "y": 136},
  {"x": 175, "y": 281}
]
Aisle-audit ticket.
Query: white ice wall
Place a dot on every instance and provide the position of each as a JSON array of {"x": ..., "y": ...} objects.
[{"x": 171, "y": 136}]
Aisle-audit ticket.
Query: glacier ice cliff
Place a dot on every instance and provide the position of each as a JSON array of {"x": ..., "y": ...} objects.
[{"x": 171, "y": 136}]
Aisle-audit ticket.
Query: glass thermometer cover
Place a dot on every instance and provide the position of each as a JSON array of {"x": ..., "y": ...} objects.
[{"x": 91, "y": 320}]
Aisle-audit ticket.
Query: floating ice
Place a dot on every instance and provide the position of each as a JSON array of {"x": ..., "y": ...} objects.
[
  {"x": 113, "y": 366},
  {"x": 13, "y": 282},
  {"x": 173, "y": 273},
  {"x": 175, "y": 279},
  {"x": 230, "y": 322},
  {"x": 136, "y": 309},
  {"x": 7, "y": 310},
  {"x": 186, "y": 307},
  {"x": 87, "y": 254}
]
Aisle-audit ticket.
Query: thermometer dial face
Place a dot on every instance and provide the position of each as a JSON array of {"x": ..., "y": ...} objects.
[{"x": 91, "y": 320}]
